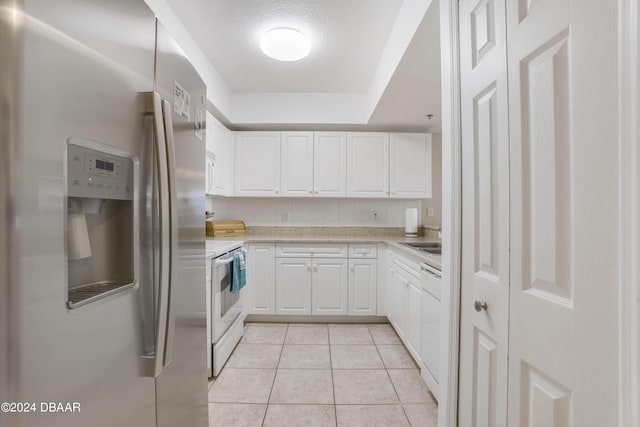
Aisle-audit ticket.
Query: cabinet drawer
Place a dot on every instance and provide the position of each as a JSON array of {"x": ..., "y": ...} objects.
[
  {"x": 363, "y": 250},
  {"x": 311, "y": 250}
]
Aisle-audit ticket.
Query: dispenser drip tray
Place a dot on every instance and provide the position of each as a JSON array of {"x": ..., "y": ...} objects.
[{"x": 91, "y": 292}]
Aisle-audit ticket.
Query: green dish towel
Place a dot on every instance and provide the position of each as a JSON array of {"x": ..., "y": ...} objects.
[{"x": 239, "y": 271}]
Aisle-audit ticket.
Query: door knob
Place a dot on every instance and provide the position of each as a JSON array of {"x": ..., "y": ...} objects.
[{"x": 479, "y": 306}]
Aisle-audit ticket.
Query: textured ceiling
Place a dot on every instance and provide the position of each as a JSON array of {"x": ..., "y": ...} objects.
[
  {"x": 347, "y": 36},
  {"x": 375, "y": 64}
]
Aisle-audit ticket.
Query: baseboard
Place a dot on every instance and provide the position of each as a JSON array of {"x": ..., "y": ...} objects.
[{"x": 275, "y": 318}]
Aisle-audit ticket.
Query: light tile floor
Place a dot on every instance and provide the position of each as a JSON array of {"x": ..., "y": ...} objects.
[{"x": 320, "y": 375}]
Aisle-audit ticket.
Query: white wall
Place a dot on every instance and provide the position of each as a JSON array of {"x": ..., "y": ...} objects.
[
  {"x": 313, "y": 212},
  {"x": 435, "y": 201}
]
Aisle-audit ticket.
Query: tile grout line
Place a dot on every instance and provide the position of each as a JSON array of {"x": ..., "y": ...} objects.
[
  {"x": 391, "y": 380},
  {"x": 333, "y": 383},
  {"x": 264, "y": 417}
]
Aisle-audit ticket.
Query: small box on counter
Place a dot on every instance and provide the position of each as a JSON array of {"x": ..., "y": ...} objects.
[{"x": 226, "y": 228}]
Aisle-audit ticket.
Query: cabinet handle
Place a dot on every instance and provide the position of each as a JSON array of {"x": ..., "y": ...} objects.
[
  {"x": 277, "y": 191},
  {"x": 308, "y": 267},
  {"x": 310, "y": 192},
  {"x": 317, "y": 191}
]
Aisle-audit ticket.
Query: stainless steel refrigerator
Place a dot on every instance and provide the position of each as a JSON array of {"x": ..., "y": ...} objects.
[{"x": 102, "y": 298}]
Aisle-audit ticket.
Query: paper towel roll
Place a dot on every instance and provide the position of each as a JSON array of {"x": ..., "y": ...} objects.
[{"x": 411, "y": 221}]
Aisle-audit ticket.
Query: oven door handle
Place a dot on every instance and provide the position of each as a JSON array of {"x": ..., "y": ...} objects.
[{"x": 225, "y": 262}]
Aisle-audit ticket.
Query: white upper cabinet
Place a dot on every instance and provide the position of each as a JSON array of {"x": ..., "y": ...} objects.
[
  {"x": 329, "y": 164},
  {"x": 223, "y": 168},
  {"x": 367, "y": 164},
  {"x": 257, "y": 164},
  {"x": 219, "y": 159},
  {"x": 410, "y": 165},
  {"x": 297, "y": 164},
  {"x": 322, "y": 164}
]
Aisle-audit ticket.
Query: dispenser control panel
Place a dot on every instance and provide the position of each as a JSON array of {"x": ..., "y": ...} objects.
[{"x": 97, "y": 174}]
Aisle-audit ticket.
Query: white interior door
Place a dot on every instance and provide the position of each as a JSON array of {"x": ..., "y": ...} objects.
[
  {"x": 485, "y": 215},
  {"x": 563, "y": 353}
]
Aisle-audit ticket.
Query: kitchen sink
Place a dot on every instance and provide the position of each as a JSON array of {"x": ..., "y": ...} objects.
[{"x": 433, "y": 248}]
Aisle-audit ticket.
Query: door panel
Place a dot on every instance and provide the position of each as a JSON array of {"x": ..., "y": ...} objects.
[
  {"x": 297, "y": 164},
  {"x": 362, "y": 286},
  {"x": 293, "y": 286},
  {"x": 257, "y": 164},
  {"x": 562, "y": 89},
  {"x": 367, "y": 164},
  {"x": 181, "y": 389},
  {"x": 329, "y": 286},
  {"x": 261, "y": 279},
  {"x": 82, "y": 69},
  {"x": 410, "y": 165},
  {"x": 485, "y": 222},
  {"x": 329, "y": 164}
]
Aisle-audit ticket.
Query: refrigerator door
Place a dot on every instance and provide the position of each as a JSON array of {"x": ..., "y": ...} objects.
[
  {"x": 9, "y": 105},
  {"x": 182, "y": 387},
  {"x": 83, "y": 66}
]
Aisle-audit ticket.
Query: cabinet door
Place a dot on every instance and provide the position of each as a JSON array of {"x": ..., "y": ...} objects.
[
  {"x": 395, "y": 298},
  {"x": 329, "y": 286},
  {"x": 410, "y": 165},
  {"x": 329, "y": 164},
  {"x": 293, "y": 286},
  {"x": 257, "y": 164},
  {"x": 413, "y": 310},
  {"x": 362, "y": 286},
  {"x": 297, "y": 164},
  {"x": 261, "y": 279},
  {"x": 367, "y": 164},
  {"x": 223, "y": 170},
  {"x": 403, "y": 295}
]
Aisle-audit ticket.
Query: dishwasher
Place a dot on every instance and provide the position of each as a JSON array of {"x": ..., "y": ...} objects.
[{"x": 430, "y": 281}]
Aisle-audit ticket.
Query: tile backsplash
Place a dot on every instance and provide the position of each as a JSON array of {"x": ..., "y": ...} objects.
[{"x": 313, "y": 212}]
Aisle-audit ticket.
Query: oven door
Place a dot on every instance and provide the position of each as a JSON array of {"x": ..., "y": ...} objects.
[{"x": 225, "y": 306}]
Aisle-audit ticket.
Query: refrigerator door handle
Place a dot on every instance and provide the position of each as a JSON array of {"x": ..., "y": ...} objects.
[
  {"x": 165, "y": 230},
  {"x": 173, "y": 225}
]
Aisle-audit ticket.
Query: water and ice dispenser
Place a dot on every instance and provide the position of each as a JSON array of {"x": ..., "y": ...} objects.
[{"x": 99, "y": 222}]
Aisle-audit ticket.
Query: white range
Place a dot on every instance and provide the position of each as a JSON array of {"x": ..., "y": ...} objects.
[{"x": 225, "y": 313}]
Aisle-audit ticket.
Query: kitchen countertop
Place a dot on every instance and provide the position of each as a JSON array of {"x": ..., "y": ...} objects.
[{"x": 391, "y": 237}]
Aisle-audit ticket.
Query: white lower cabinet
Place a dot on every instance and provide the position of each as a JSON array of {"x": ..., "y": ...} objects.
[
  {"x": 414, "y": 320},
  {"x": 261, "y": 278},
  {"x": 311, "y": 286},
  {"x": 329, "y": 294},
  {"x": 362, "y": 287},
  {"x": 293, "y": 286},
  {"x": 404, "y": 299},
  {"x": 395, "y": 298}
]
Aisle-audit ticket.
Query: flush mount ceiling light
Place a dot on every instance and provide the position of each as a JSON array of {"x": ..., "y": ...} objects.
[{"x": 285, "y": 44}]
